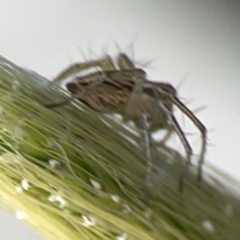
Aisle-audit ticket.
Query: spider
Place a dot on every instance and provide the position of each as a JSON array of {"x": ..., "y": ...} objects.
[{"x": 124, "y": 89}]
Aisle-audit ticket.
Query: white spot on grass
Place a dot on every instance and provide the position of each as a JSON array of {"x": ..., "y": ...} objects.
[
  {"x": 115, "y": 198},
  {"x": 21, "y": 215},
  {"x": 25, "y": 184},
  {"x": 57, "y": 199},
  {"x": 207, "y": 225},
  {"x": 53, "y": 163},
  {"x": 124, "y": 236},
  {"x": 96, "y": 184},
  {"x": 88, "y": 221}
]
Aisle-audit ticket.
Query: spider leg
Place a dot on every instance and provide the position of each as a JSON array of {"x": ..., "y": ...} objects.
[
  {"x": 106, "y": 64},
  {"x": 64, "y": 102},
  {"x": 124, "y": 62},
  {"x": 187, "y": 148},
  {"x": 135, "y": 99},
  {"x": 155, "y": 118},
  {"x": 76, "y": 93},
  {"x": 143, "y": 127},
  {"x": 201, "y": 128},
  {"x": 192, "y": 117},
  {"x": 59, "y": 104},
  {"x": 184, "y": 141},
  {"x": 138, "y": 77}
]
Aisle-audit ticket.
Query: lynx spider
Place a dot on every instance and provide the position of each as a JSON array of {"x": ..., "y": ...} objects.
[{"x": 125, "y": 90}]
